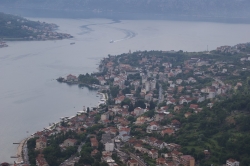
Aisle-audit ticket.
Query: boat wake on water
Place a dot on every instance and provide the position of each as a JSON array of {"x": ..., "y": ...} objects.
[{"x": 129, "y": 34}]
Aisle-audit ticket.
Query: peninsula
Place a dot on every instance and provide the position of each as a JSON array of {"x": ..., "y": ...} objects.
[
  {"x": 15, "y": 28},
  {"x": 161, "y": 108}
]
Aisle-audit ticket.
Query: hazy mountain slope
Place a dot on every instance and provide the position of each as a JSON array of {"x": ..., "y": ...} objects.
[{"x": 229, "y": 8}]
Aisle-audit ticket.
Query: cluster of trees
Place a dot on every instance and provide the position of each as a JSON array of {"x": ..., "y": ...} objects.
[
  {"x": 53, "y": 154},
  {"x": 114, "y": 91},
  {"x": 85, "y": 155},
  {"x": 88, "y": 79},
  {"x": 31, "y": 145},
  {"x": 212, "y": 130}
]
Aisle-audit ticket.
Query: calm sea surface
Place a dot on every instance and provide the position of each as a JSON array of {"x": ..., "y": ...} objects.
[{"x": 30, "y": 98}]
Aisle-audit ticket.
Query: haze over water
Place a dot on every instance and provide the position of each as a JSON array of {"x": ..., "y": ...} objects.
[{"x": 30, "y": 96}]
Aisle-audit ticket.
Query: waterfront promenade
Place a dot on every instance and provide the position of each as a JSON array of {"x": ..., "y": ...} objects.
[{"x": 22, "y": 152}]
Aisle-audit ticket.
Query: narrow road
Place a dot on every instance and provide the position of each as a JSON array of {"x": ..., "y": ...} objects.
[{"x": 140, "y": 162}]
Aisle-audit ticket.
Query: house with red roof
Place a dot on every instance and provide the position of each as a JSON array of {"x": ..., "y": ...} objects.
[
  {"x": 193, "y": 106},
  {"x": 94, "y": 142},
  {"x": 187, "y": 160},
  {"x": 167, "y": 131},
  {"x": 138, "y": 146},
  {"x": 153, "y": 153},
  {"x": 176, "y": 123},
  {"x": 69, "y": 142},
  {"x": 176, "y": 156},
  {"x": 173, "y": 146},
  {"x": 161, "y": 161},
  {"x": 159, "y": 117},
  {"x": 40, "y": 160},
  {"x": 71, "y": 77},
  {"x": 119, "y": 99},
  {"x": 139, "y": 111},
  {"x": 153, "y": 127},
  {"x": 132, "y": 163}
]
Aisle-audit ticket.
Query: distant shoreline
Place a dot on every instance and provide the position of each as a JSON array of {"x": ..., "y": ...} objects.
[
  {"x": 22, "y": 39},
  {"x": 88, "y": 14}
]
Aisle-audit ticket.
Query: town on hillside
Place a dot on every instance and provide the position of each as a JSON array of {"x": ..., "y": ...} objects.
[
  {"x": 15, "y": 28},
  {"x": 164, "y": 108}
]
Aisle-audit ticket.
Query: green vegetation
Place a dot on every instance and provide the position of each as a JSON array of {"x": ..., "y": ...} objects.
[
  {"x": 31, "y": 144},
  {"x": 12, "y": 26},
  {"x": 18, "y": 28},
  {"x": 87, "y": 79},
  {"x": 53, "y": 153}
]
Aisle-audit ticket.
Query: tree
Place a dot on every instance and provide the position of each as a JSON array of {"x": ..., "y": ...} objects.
[
  {"x": 126, "y": 101},
  {"x": 151, "y": 105},
  {"x": 131, "y": 119},
  {"x": 114, "y": 90},
  {"x": 104, "y": 164},
  {"x": 150, "y": 113},
  {"x": 140, "y": 103},
  {"x": 131, "y": 107},
  {"x": 126, "y": 91}
]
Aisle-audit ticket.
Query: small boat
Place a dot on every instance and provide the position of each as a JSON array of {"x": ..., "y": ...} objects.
[
  {"x": 112, "y": 41},
  {"x": 72, "y": 43}
]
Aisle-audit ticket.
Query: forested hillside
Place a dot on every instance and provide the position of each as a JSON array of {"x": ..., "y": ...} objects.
[
  {"x": 18, "y": 28},
  {"x": 10, "y": 26}
]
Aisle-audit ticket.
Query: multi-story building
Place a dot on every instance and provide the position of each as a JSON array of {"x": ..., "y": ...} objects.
[
  {"x": 187, "y": 160},
  {"x": 40, "y": 161},
  {"x": 41, "y": 143}
]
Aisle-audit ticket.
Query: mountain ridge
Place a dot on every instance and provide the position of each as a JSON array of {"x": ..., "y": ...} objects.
[{"x": 208, "y": 8}]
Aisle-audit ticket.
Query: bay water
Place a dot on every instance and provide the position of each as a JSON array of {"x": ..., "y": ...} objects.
[{"x": 31, "y": 98}]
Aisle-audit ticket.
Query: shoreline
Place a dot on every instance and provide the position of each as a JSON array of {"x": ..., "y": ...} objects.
[
  {"x": 20, "y": 149},
  {"x": 23, "y": 39},
  {"x": 20, "y": 152}
]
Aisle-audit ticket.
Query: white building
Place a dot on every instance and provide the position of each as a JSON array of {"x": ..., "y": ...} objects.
[
  {"x": 232, "y": 162},
  {"x": 211, "y": 94},
  {"x": 144, "y": 79},
  {"x": 109, "y": 147},
  {"x": 153, "y": 84},
  {"x": 147, "y": 86},
  {"x": 150, "y": 85},
  {"x": 104, "y": 116}
]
